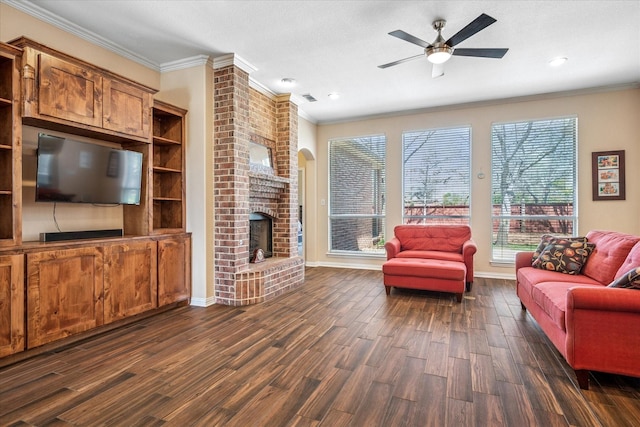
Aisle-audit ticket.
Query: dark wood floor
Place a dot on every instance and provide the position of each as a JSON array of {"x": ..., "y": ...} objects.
[{"x": 336, "y": 352}]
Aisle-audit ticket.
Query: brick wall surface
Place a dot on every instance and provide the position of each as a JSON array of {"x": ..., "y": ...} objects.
[{"x": 242, "y": 114}]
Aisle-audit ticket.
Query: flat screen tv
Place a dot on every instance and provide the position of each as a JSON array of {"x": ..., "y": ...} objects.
[{"x": 80, "y": 172}]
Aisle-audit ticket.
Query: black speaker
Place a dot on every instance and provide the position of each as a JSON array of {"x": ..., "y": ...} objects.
[{"x": 76, "y": 235}]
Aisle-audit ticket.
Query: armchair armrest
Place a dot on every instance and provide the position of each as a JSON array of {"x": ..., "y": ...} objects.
[
  {"x": 392, "y": 247},
  {"x": 469, "y": 248},
  {"x": 523, "y": 259}
]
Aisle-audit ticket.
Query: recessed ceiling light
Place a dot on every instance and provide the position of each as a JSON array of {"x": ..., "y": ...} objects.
[
  {"x": 556, "y": 62},
  {"x": 334, "y": 95},
  {"x": 288, "y": 82}
]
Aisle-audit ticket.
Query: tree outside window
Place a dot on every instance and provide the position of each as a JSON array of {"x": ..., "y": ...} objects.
[
  {"x": 533, "y": 183},
  {"x": 436, "y": 175}
]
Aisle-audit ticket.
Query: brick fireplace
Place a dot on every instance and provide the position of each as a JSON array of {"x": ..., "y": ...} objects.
[{"x": 242, "y": 115}]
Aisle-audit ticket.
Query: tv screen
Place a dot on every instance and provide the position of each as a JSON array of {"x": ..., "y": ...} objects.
[{"x": 80, "y": 172}]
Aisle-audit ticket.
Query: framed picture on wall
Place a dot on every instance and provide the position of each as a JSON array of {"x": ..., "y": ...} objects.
[{"x": 608, "y": 175}]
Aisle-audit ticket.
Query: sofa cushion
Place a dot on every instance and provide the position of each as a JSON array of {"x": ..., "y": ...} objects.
[
  {"x": 631, "y": 279},
  {"x": 551, "y": 297},
  {"x": 528, "y": 277},
  {"x": 447, "y": 256},
  {"x": 444, "y": 238},
  {"x": 564, "y": 255},
  {"x": 611, "y": 251}
]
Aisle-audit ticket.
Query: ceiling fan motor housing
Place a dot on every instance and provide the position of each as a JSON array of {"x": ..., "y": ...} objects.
[{"x": 439, "y": 52}]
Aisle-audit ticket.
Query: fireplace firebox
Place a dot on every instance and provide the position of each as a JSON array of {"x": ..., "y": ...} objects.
[{"x": 261, "y": 233}]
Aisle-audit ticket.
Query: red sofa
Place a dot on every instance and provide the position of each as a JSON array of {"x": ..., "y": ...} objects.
[
  {"x": 595, "y": 327},
  {"x": 430, "y": 257}
]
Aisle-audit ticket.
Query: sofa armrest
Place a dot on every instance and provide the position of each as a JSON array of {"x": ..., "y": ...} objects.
[
  {"x": 523, "y": 259},
  {"x": 392, "y": 247},
  {"x": 603, "y": 329},
  {"x": 603, "y": 299}
]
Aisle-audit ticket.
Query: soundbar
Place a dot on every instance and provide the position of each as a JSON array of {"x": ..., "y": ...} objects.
[{"x": 75, "y": 235}]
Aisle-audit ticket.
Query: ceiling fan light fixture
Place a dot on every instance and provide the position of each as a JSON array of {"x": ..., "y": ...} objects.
[
  {"x": 439, "y": 54},
  {"x": 556, "y": 62},
  {"x": 288, "y": 82}
]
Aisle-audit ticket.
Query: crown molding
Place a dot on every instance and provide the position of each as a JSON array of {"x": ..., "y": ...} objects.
[
  {"x": 32, "y": 9},
  {"x": 181, "y": 64},
  {"x": 254, "y": 84},
  {"x": 233, "y": 59},
  {"x": 296, "y": 99}
]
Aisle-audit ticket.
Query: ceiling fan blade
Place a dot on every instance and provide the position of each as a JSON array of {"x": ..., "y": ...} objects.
[
  {"x": 483, "y": 53},
  {"x": 409, "y": 38},
  {"x": 478, "y": 24},
  {"x": 437, "y": 70},
  {"x": 400, "y": 61}
]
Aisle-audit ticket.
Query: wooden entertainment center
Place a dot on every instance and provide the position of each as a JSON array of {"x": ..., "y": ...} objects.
[{"x": 52, "y": 293}]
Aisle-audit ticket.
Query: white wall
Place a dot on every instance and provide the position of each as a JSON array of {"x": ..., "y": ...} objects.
[{"x": 606, "y": 121}]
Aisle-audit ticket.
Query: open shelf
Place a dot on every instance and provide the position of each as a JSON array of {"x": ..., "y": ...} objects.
[
  {"x": 10, "y": 149},
  {"x": 157, "y": 140},
  {"x": 160, "y": 169},
  {"x": 168, "y": 194}
]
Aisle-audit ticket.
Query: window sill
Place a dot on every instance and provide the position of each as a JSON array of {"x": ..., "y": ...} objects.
[
  {"x": 376, "y": 255},
  {"x": 502, "y": 263}
]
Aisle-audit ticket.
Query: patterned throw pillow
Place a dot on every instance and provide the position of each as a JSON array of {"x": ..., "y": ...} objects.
[
  {"x": 631, "y": 279},
  {"x": 544, "y": 242},
  {"x": 548, "y": 238},
  {"x": 564, "y": 255}
]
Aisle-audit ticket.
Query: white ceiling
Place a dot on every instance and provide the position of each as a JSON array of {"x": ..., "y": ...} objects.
[{"x": 335, "y": 46}]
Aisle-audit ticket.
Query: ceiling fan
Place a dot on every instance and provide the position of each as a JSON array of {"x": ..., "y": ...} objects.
[{"x": 440, "y": 50}]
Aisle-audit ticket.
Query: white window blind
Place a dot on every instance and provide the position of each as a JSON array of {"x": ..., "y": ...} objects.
[
  {"x": 533, "y": 183},
  {"x": 357, "y": 194},
  {"x": 436, "y": 175}
]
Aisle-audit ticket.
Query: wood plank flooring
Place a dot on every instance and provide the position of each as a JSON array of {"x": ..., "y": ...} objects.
[{"x": 335, "y": 352}]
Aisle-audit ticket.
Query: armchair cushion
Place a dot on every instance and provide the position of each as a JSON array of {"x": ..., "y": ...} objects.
[{"x": 443, "y": 238}]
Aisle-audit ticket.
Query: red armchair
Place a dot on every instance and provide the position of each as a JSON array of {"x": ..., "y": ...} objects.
[{"x": 430, "y": 257}]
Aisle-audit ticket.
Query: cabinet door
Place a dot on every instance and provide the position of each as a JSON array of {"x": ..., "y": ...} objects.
[
  {"x": 70, "y": 92},
  {"x": 130, "y": 284},
  {"x": 174, "y": 270},
  {"x": 11, "y": 304},
  {"x": 64, "y": 293},
  {"x": 126, "y": 109}
]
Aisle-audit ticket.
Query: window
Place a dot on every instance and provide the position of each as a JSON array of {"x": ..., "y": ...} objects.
[
  {"x": 357, "y": 194},
  {"x": 435, "y": 175},
  {"x": 533, "y": 183}
]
